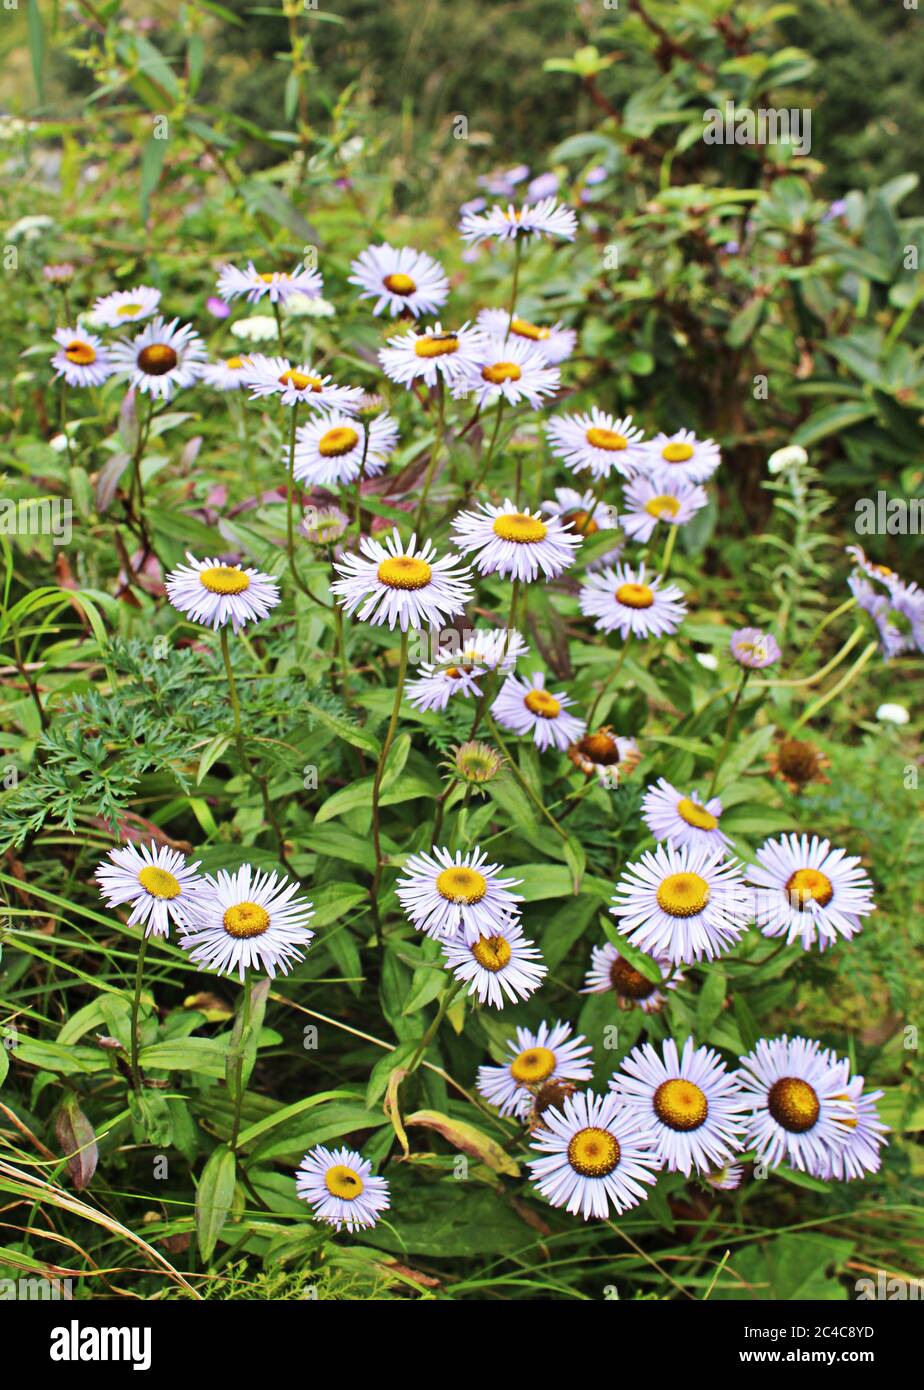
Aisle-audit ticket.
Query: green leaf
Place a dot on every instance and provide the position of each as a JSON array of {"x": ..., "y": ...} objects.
[
  {"x": 637, "y": 959},
  {"x": 710, "y": 1001},
  {"x": 213, "y": 1199},
  {"x": 350, "y": 733}
]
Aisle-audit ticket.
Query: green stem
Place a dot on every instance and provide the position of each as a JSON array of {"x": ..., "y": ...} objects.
[
  {"x": 483, "y": 470},
  {"x": 448, "y": 995},
  {"x": 239, "y": 1063},
  {"x": 377, "y": 787},
  {"x": 136, "y": 1006},
  {"x": 728, "y": 729},
  {"x": 669, "y": 549},
  {"x": 617, "y": 667},
  {"x": 522, "y": 782},
  {"x": 517, "y": 247},
  {"x": 847, "y": 679},
  {"x": 437, "y": 446},
  {"x": 278, "y": 314}
]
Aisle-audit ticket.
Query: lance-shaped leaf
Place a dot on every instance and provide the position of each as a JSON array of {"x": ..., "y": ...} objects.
[
  {"x": 214, "y": 1198},
  {"x": 468, "y": 1138},
  {"x": 77, "y": 1138}
]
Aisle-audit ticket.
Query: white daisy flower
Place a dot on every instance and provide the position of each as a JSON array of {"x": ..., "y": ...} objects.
[
  {"x": 163, "y": 358},
  {"x": 683, "y": 820},
  {"x": 340, "y": 1186},
  {"x": 597, "y": 1158},
  {"x": 683, "y": 904},
  {"x": 859, "y": 1154},
  {"x": 431, "y": 354},
  {"x": 726, "y": 1179},
  {"x": 799, "y": 1113},
  {"x": 545, "y": 218},
  {"x": 277, "y": 284},
  {"x": 581, "y": 512},
  {"x": 437, "y": 684},
  {"x": 400, "y": 280},
  {"x": 525, "y": 707},
  {"x": 126, "y": 306},
  {"x": 513, "y": 543},
  {"x": 498, "y": 967},
  {"x": 512, "y": 371},
  {"x": 157, "y": 881},
  {"x": 81, "y": 359},
  {"x": 549, "y": 1054},
  {"x": 230, "y": 374},
  {"x": 632, "y": 603},
  {"x": 459, "y": 895},
  {"x": 597, "y": 441},
  {"x": 686, "y": 457},
  {"x": 808, "y": 892},
  {"x": 688, "y": 1104},
  {"x": 555, "y": 344},
  {"x": 606, "y": 755},
  {"x": 656, "y": 497},
  {"x": 334, "y": 449},
  {"x": 276, "y": 376},
  {"x": 610, "y": 971},
  {"x": 496, "y": 649},
  {"x": 248, "y": 919},
  {"x": 409, "y": 587},
  {"x": 215, "y": 594}
]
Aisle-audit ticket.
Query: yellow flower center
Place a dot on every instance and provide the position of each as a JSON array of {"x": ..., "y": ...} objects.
[
  {"x": 519, "y": 527},
  {"x": 300, "y": 380},
  {"x": 246, "y": 919},
  {"x": 124, "y": 310},
  {"x": 343, "y": 1182},
  {"x": 533, "y": 1066},
  {"x": 492, "y": 952},
  {"x": 436, "y": 345},
  {"x": 793, "y": 1103},
  {"x": 677, "y": 453},
  {"x": 158, "y": 882},
  {"x": 461, "y": 885},
  {"x": 224, "y": 579},
  {"x": 662, "y": 506},
  {"x": 634, "y": 596},
  {"x": 234, "y": 364},
  {"x": 80, "y": 353},
  {"x": 399, "y": 284},
  {"x": 593, "y": 1152},
  {"x": 809, "y": 885},
  {"x": 683, "y": 895},
  {"x": 524, "y": 329},
  {"x": 268, "y": 276},
  {"x": 337, "y": 442},
  {"x": 628, "y": 982},
  {"x": 404, "y": 572},
  {"x": 606, "y": 439},
  {"x": 157, "y": 359},
  {"x": 680, "y": 1105},
  {"x": 542, "y": 703},
  {"x": 582, "y": 523},
  {"x": 696, "y": 815},
  {"x": 500, "y": 372}
]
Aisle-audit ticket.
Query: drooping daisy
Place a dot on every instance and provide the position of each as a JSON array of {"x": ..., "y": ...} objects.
[
  {"x": 525, "y": 707},
  {"x": 797, "y": 762},
  {"x": 162, "y": 358},
  {"x": 683, "y": 904},
  {"x": 400, "y": 280},
  {"x": 808, "y": 892},
  {"x": 688, "y": 1104},
  {"x": 549, "y": 1054},
  {"x": 496, "y": 649},
  {"x": 632, "y": 602},
  {"x": 610, "y": 971},
  {"x": 82, "y": 359},
  {"x": 597, "y": 441},
  {"x": 431, "y": 354},
  {"x": 156, "y": 880},
  {"x": 596, "y": 1157},
  {"x": 545, "y": 218},
  {"x": 448, "y": 895},
  {"x": 726, "y": 1179},
  {"x": 555, "y": 344},
  {"x": 683, "y": 455},
  {"x": 896, "y": 608},
  {"x": 324, "y": 525},
  {"x": 500, "y": 966},
  {"x": 339, "y": 1184},
  {"x": 513, "y": 543},
  {"x": 880, "y": 574},
  {"x": 277, "y": 284},
  {"x": 754, "y": 649},
  {"x": 683, "y": 820},
  {"x": 248, "y": 919},
  {"x": 409, "y": 587},
  {"x": 334, "y": 449},
  {"x": 276, "y": 376},
  {"x": 126, "y": 306},
  {"x": 438, "y": 683},
  {"x": 606, "y": 755},
  {"x": 583, "y": 514},
  {"x": 230, "y": 374},
  {"x": 655, "y": 497},
  {"x": 859, "y": 1154},
  {"x": 511, "y": 371},
  {"x": 799, "y": 1113},
  {"x": 214, "y": 593},
  {"x": 60, "y": 273}
]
